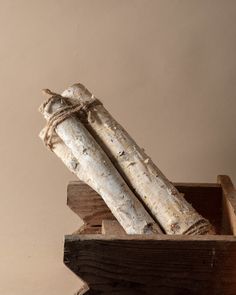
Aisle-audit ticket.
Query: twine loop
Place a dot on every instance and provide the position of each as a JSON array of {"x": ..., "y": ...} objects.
[{"x": 64, "y": 113}]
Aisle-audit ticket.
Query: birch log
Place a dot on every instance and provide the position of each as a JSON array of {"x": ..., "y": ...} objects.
[
  {"x": 82, "y": 155},
  {"x": 167, "y": 205}
]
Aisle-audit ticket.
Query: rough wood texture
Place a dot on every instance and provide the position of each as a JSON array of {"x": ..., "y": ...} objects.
[
  {"x": 206, "y": 198},
  {"x": 92, "y": 165},
  {"x": 167, "y": 205},
  {"x": 112, "y": 227},
  {"x": 163, "y": 265},
  {"x": 229, "y": 204},
  {"x": 87, "y": 203}
]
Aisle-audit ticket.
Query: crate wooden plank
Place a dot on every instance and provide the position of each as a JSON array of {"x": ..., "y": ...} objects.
[
  {"x": 163, "y": 265},
  {"x": 86, "y": 203},
  {"x": 88, "y": 229},
  {"x": 229, "y": 204},
  {"x": 112, "y": 227}
]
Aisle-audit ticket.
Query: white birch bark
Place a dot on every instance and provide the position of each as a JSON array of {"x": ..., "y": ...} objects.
[
  {"x": 167, "y": 205},
  {"x": 83, "y": 156}
]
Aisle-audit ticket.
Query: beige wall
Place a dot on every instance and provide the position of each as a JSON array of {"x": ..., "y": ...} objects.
[{"x": 165, "y": 69}]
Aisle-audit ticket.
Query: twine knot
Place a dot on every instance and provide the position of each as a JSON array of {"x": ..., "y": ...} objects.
[{"x": 70, "y": 108}]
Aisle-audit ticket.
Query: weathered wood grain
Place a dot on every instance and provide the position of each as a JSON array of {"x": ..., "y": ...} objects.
[
  {"x": 163, "y": 265},
  {"x": 86, "y": 203},
  {"x": 112, "y": 227},
  {"x": 228, "y": 204}
]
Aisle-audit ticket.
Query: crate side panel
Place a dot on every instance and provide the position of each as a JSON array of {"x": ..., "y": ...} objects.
[
  {"x": 229, "y": 204},
  {"x": 87, "y": 204},
  {"x": 170, "y": 267}
]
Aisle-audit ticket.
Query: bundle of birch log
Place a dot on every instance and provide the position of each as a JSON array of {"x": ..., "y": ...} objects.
[{"x": 96, "y": 148}]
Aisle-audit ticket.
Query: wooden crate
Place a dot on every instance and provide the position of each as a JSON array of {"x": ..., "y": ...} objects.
[{"x": 111, "y": 262}]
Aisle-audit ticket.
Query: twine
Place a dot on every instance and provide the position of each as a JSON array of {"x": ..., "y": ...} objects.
[{"x": 64, "y": 113}]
